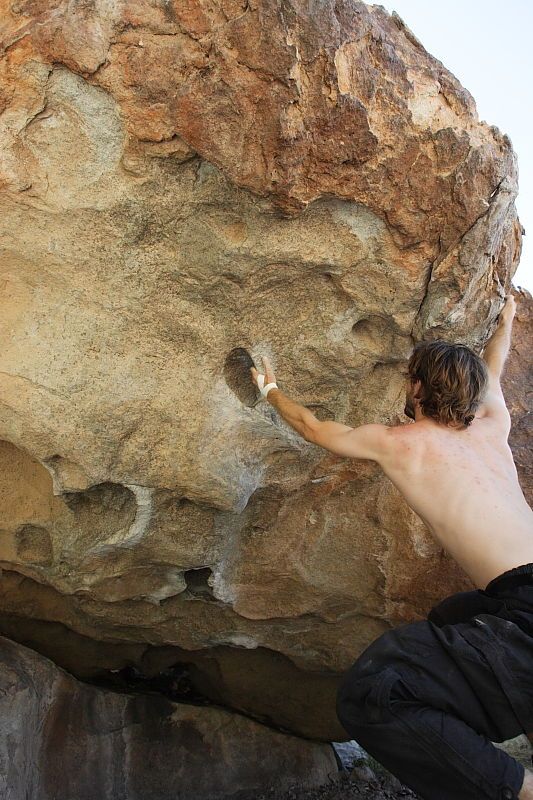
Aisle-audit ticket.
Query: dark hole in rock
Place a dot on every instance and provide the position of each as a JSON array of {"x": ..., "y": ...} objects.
[
  {"x": 173, "y": 682},
  {"x": 197, "y": 582},
  {"x": 108, "y": 495},
  {"x": 363, "y": 327},
  {"x": 238, "y": 376}
]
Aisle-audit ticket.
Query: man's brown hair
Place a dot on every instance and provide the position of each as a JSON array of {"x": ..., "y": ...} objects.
[{"x": 453, "y": 381}]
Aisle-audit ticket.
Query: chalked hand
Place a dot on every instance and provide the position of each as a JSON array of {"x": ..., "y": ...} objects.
[
  {"x": 509, "y": 309},
  {"x": 264, "y": 381}
]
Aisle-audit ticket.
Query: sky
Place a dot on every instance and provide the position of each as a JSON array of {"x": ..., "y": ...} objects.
[{"x": 488, "y": 46}]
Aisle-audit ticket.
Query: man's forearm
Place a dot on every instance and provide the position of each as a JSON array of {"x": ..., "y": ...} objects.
[
  {"x": 299, "y": 417},
  {"x": 498, "y": 346}
]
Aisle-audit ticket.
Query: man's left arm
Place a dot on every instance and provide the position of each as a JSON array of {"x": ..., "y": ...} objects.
[{"x": 366, "y": 441}]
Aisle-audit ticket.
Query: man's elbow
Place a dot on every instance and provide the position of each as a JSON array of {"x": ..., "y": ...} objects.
[{"x": 310, "y": 431}]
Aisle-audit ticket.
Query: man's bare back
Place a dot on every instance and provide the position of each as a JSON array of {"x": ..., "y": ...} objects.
[{"x": 463, "y": 484}]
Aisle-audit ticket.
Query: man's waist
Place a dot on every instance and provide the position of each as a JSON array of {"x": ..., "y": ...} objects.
[{"x": 517, "y": 576}]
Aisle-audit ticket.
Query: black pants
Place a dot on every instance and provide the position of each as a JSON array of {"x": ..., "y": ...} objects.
[{"x": 427, "y": 699}]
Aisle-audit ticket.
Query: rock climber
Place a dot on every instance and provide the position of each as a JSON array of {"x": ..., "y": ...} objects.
[{"x": 427, "y": 699}]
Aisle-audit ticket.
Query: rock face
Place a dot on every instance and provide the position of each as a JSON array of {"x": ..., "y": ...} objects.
[
  {"x": 177, "y": 181},
  {"x": 61, "y": 739}
]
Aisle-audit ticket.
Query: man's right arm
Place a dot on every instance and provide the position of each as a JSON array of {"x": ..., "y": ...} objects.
[
  {"x": 497, "y": 348},
  {"x": 495, "y": 354}
]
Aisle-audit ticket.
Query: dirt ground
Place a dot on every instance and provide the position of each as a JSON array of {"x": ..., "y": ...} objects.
[
  {"x": 360, "y": 776},
  {"x": 345, "y": 788}
]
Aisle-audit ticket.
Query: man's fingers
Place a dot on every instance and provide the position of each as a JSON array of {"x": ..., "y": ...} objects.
[
  {"x": 268, "y": 371},
  {"x": 268, "y": 366}
]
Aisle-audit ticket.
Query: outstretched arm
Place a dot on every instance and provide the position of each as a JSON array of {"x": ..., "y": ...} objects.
[
  {"x": 365, "y": 441},
  {"x": 497, "y": 348},
  {"x": 495, "y": 354},
  {"x": 299, "y": 417}
]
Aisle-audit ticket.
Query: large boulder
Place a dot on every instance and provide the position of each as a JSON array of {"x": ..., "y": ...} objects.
[{"x": 184, "y": 186}]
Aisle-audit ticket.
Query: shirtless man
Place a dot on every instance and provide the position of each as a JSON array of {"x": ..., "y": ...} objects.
[{"x": 427, "y": 699}]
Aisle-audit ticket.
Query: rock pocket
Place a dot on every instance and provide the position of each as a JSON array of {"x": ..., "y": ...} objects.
[{"x": 238, "y": 376}]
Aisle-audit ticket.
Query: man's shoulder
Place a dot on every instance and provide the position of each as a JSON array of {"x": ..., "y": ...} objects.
[
  {"x": 406, "y": 432},
  {"x": 405, "y": 439}
]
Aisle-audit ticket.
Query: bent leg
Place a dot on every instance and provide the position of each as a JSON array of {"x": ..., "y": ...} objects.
[{"x": 410, "y": 701}]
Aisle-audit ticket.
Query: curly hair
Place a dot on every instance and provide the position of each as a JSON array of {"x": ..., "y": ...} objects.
[{"x": 453, "y": 379}]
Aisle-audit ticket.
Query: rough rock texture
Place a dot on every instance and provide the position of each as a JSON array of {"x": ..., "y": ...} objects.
[
  {"x": 179, "y": 180},
  {"x": 61, "y": 739}
]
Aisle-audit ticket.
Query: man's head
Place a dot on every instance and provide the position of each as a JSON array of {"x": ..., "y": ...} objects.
[{"x": 446, "y": 382}]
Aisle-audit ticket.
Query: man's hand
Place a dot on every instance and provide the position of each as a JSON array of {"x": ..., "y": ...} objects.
[
  {"x": 268, "y": 373},
  {"x": 508, "y": 311}
]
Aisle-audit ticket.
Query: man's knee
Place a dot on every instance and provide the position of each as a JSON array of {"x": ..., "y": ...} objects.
[
  {"x": 373, "y": 681},
  {"x": 363, "y": 697}
]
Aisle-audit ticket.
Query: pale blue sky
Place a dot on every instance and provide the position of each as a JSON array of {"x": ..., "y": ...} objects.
[{"x": 487, "y": 45}]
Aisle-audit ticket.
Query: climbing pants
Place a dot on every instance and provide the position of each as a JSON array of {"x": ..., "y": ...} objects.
[{"x": 428, "y": 698}]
